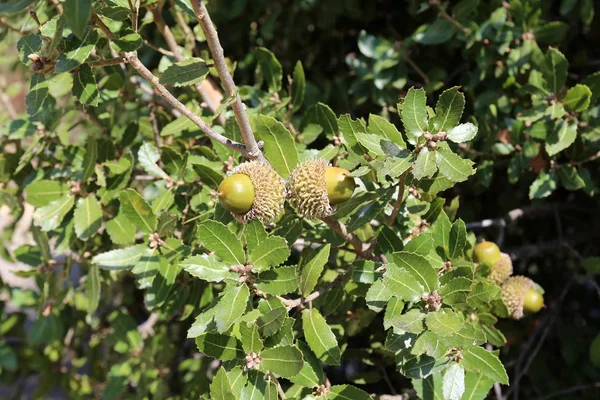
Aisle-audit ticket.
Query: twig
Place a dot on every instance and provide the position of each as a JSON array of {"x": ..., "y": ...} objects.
[
  {"x": 154, "y": 123},
  {"x": 133, "y": 60},
  {"x": 585, "y": 160},
  {"x": 162, "y": 51},
  {"x": 100, "y": 24},
  {"x": 414, "y": 66},
  {"x": 399, "y": 200},
  {"x": 573, "y": 389},
  {"x": 445, "y": 15},
  {"x": 8, "y": 26},
  {"x": 5, "y": 100},
  {"x": 340, "y": 229},
  {"x": 136, "y": 80},
  {"x": 134, "y": 6},
  {"x": 279, "y": 388},
  {"x": 239, "y": 109},
  {"x": 146, "y": 328},
  {"x": 109, "y": 62}
]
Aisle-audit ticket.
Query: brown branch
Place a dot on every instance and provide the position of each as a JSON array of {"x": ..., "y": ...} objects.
[
  {"x": 134, "y": 6},
  {"x": 239, "y": 109},
  {"x": 448, "y": 17},
  {"x": 5, "y": 100},
  {"x": 106, "y": 63},
  {"x": 340, "y": 229},
  {"x": 96, "y": 20},
  {"x": 133, "y": 60},
  {"x": 399, "y": 200},
  {"x": 591, "y": 158},
  {"x": 162, "y": 51},
  {"x": 280, "y": 391}
]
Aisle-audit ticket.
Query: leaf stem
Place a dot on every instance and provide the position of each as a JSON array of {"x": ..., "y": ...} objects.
[{"x": 399, "y": 200}]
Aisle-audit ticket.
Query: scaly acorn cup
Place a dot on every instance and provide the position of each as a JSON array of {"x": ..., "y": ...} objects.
[
  {"x": 502, "y": 269},
  {"x": 252, "y": 191},
  {"x": 314, "y": 187},
  {"x": 521, "y": 295}
]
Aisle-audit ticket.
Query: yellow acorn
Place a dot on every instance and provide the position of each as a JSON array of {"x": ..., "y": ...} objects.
[
  {"x": 253, "y": 191},
  {"x": 486, "y": 252},
  {"x": 521, "y": 295},
  {"x": 315, "y": 186}
]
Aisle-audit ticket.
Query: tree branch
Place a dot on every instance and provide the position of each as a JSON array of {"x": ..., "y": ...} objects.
[
  {"x": 239, "y": 109},
  {"x": 133, "y": 60},
  {"x": 106, "y": 63},
  {"x": 361, "y": 248},
  {"x": 399, "y": 200}
]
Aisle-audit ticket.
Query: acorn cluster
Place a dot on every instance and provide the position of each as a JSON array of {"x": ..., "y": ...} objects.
[
  {"x": 520, "y": 294},
  {"x": 254, "y": 190}
]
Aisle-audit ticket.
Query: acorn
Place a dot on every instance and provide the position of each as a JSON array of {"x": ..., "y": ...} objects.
[
  {"x": 502, "y": 269},
  {"x": 314, "y": 187},
  {"x": 521, "y": 295},
  {"x": 252, "y": 191},
  {"x": 487, "y": 252}
]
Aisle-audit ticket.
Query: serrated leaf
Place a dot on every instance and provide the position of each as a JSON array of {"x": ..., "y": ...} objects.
[
  {"x": 206, "y": 267},
  {"x": 270, "y": 68},
  {"x": 562, "y": 136},
  {"x": 41, "y": 193},
  {"x": 458, "y": 239},
  {"x": 555, "y": 70},
  {"x": 258, "y": 387},
  {"x": 397, "y": 166},
  {"x": 76, "y": 51},
  {"x": 28, "y": 45},
  {"x": 255, "y": 233},
  {"x": 90, "y": 158},
  {"x": 382, "y": 127},
  {"x": 543, "y": 185},
  {"x": 455, "y": 290},
  {"x": 92, "y": 284},
  {"x": 216, "y": 237},
  {"x": 311, "y": 374},
  {"x": 278, "y": 281},
  {"x": 148, "y": 156},
  {"x": 452, "y": 166},
  {"x": 298, "y": 86},
  {"x": 477, "y": 386},
  {"x": 378, "y": 295},
  {"x": 570, "y": 178},
  {"x": 285, "y": 361},
  {"x": 487, "y": 363},
  {"x": 38, "y": 93},
  {"x": 270, "y": 323},
  {"x": 578, "y": 98},
  {"x": 411, "y": 322},
  {"x": 444, "y": 322},
  {"x": 269, "y": 253},
  {"x": 85, "y": 88},
  {"x": 311, "y": 268},
  {"x": 137, "y": 210},
  {"x": 50, "y": 216},
  {"x": 250, "y": 337},
  {"x": 402, "y": 283},
  {"x": 120, "y": 230},
  {"x": 78, "y": 13},
  {"x": 88, "y": 217},
  {"x": 221, "y": 347},
  {"x": 350, "y": 129},
  {"x": 163, "y": 201},
  {"x": 15, "y": 6},
  {"x": 146, "y": 268},
  {"x": 425, "y": 166},
  {"x": 280, "y": 147},
  {"x": 430, "y": 388},
  {"x": 220, "y": 387},
  {"x": 448, "y": 110},
  {"x": 462, "y": 133},
  {"x": 414, "y": 112},
  {"x": 346, "y": 392},
  {"x": 454, "y": 382},
  {"x": 319, "y": 337},
  {"x": 127, "y": 41},
  {"x": 231, "y": 306},
  {"x": 482, "y": 292},
  {"x": 322, "y": 115},
  {"x": 185, "y": 73},
  {"x": 120, "y": 259},
  {"x": 393, "y": 311},
  {"x": 419, "y": 267}
]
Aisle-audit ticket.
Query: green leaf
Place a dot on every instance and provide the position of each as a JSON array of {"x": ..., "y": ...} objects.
[
  {"x": 298, "y": 86},
  {"x": 380, "y": 126},
  {"x": 255, "y": 234},
  {"x": 593, "y": 82},
  {"x": 477, "y": 386},
  {"x": 482, "y": 292},
  {"x": 85, "y": 88},
  {"x": 439, "y": 32},
  {"x": 543, "y": 185},
  {"x": 162, "y": 284},
  {"x": 480, "y": 360},
  {"x": 285, "y": 361},
  {"x": 38, "y": 93},
  {"x": 127, "y": 41},
  {"x": 206, "y": 267},
  {"x": 137, "y": 210},
  {"x": 570, "y": 177},
  {"x": 147, "y": 267},
  {"x": 555, "y": 70},
  {"x": 402, "y": 283},
  {"x": 220, "y": 387},
  {"x": 78, "y": 13},
  {"x": 458, "y": 239},
  {"x": 430, "y": 388},
  {"x": 120, "y": 230},
  {"x": 411, "y": 322},
  {"x": 454, "y": 382},
  {"x": 311, "y": 268},
  {"x": 347, "y": 392},
  {"x": 41, "y": 193},
  {"x": 93, "y": 287},
  {"x": 414, "y": 113},
  {"x": 45, "y": 330},
  {"x": 258, "y": 387},
  {"x": 456, "y": 290},
  {"x": 592, "y": 265},
  {"x": 270, "y": 68},
  {"x": 398, "y": 165},
  {"x": 163, "y": 202},
  {"x": 578, "y": 98},
  {"x": 448, "y": 110},
  {"x": 8, "y": 357},
  {"x": 280, "y": 147},
  {"x": 15, "y": 6},
  {"x": 221, "y": 347},
  {"x": 148, "y": 156},
  {"x": 249, "y": 335},
  {"x": 88, "y": 217},
  {"x": 271, "y": 252},
  {"x": 444, "y": 322},
  {"x": 231, "y": 306},
  {"x": 393, "y": 311},
  {"x": 425, "y": 166},
  {"x": 271, "y": 322},
  {"x": 452, "y": 166},
  {"x": 28, "y": 45},
  {"x": 462, "y": 133},
  {"x": 319, "y": 337},
  {"x": 351, "y": 130},
  {"x": 322, "y": 115},
  {"x": 419, "y": 267},
  {"x": 185, "y": 73},
  {"x": 50, "y": 216},
  {"x": 311, "y": 374},
  {"x": 90, "y": 158},
  {"x": 371, "y": 142},
  {"x": 120, "y": 259},
  {"x": 76, "y": 51},
  {"x": 279, "y": 281},
  {"x": 216, "y": 237},
  {"x": 552, "y": 33}
]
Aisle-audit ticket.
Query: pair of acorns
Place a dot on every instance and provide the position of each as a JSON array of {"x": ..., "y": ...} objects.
[
  {"x": 254, "y": 190},
  {"x": 520, "y": 294}
]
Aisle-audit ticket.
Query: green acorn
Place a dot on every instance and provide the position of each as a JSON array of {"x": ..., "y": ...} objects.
[
  {"x": 252, "y": 191},
  {"x": 521, "y": 295},
  {"x": 502, "y": 269},
  {"x": 314, "y": 187}
]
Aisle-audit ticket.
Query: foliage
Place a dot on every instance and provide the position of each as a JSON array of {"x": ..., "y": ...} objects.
[{"x": 142, "y": 280}]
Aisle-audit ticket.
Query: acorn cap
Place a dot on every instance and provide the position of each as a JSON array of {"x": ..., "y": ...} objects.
[
  {"x": 269, "y": 189},
  {"x": 502, "y": 269},
  {"x": 514, "y": 290},
  {"x": 307, "y": 189}
]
